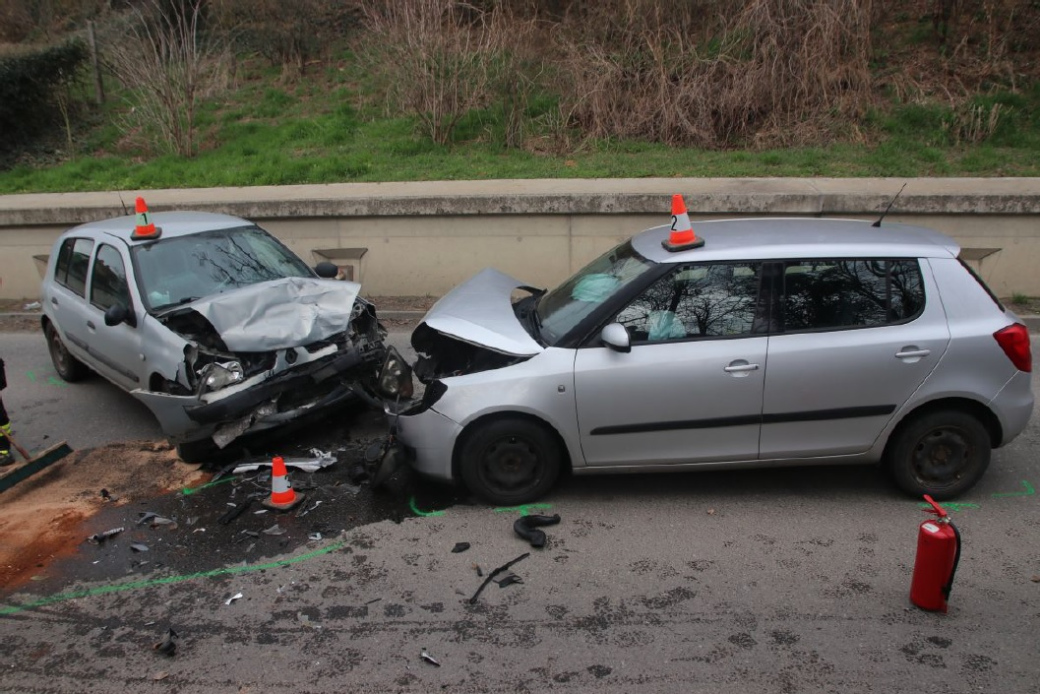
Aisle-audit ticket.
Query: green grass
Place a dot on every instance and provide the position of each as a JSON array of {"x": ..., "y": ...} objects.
[{"x": 317, "y": 130}]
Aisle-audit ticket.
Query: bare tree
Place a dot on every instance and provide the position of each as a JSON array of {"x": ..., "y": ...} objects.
[{"x": 166, "y": 65}]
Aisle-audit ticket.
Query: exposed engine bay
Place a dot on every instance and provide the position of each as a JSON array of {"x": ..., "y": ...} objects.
[{"x": 443, "y": 356}]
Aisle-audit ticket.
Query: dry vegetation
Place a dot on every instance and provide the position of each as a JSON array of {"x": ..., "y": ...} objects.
[{"x": 702, "y": 73}]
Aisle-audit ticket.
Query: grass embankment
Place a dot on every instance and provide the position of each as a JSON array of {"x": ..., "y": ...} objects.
[{"x": 324, "y": 128}]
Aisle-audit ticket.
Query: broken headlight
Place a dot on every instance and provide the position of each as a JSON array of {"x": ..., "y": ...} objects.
[
  {"x": 220, "y": 375},
  {"x": 395, "y": 378}
]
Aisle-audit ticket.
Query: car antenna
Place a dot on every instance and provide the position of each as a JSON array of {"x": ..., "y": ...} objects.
[
  {"x": 890, "y": 203},
  {"x": 120, "y": 196}
]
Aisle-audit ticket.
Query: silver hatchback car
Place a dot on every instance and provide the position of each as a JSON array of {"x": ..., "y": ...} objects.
[
  {"x": 209, "y": 321},
  {"x": 775, "y": 342}
]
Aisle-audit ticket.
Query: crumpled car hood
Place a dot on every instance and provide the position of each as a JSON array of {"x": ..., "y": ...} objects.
[
  {"x": 480, "y": 313},
  {"x": 279, "y": 314}
]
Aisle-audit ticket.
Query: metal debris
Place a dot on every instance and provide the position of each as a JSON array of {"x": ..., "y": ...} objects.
[
  {"x": 168, "y": 644},
  {"x": 303, "y": 512},
  {"x": 508, "y": 580},
  {"x": 314, "y": 536},
  {"x": 306, "y": 621},
  {"x": 154, "y": 519},
  {"x": 500, "y": 570},
  {"x": 98, "y": 538},
  {"x": 428, "y": 658},
  {"x": 460, "y": 547},
  {"x": 233, "y": 598},
  {"x": 138, "y": 547},
  {"x": 274, "y": 530},
  {"x": 314, "y": 464},
  {"x": 160, "y": 676}
]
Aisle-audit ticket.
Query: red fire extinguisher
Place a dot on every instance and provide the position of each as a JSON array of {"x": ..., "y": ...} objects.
[{"x": 938, "y": 553}]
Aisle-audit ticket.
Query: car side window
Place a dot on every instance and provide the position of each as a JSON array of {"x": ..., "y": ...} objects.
[
  {"x": 832, "y": 294},
  {"x": 696, "y": 301},
  {"x": 71, "y": 268},
  {"x": 108, "y": 285}
]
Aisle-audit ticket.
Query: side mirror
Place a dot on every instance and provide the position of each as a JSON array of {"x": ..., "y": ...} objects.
[
  {"x": 616, "y": 337},
  {"x": 116, "y": 314},
  {"x": 326, "y": 270}
]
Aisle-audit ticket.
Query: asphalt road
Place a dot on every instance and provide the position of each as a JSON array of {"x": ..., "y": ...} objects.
[{"x": 789, "y": 581}]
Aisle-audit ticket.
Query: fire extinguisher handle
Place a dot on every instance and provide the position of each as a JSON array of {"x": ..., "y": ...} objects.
[{"x": 936, "y": 508}]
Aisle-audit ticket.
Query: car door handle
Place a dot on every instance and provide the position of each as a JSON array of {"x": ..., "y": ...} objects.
[
  {"x": 740, "y": 367},
  {"x": 913, "y": 353},
  {"x": 90, "y": 324},
  {"x": 54, "y": 301}
]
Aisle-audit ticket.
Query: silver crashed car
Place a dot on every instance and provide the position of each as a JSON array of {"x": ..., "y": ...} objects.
[
  {"x": 208, "y": 320},
  {"x": 777, "y": 342}
]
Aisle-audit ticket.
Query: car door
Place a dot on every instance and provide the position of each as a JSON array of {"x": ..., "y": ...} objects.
[
  {"x": 66, "y": 295},
  {"x": 690, "y": 389},
  {"x": 115, "y": 349},
  {"x": 858, "y": 337}
]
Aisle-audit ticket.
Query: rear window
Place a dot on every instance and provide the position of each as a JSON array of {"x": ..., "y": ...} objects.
[
  {"x": 971, "y": 271},
  {"x": 836, "y": 294}
]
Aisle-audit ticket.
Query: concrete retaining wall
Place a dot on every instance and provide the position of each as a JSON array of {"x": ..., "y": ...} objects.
[{"x": 403, "y": 239}]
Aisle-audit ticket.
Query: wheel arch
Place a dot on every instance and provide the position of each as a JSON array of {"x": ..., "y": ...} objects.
[
  {"x": 483, "y": 420},
  {"x": 966, "y": 405}
]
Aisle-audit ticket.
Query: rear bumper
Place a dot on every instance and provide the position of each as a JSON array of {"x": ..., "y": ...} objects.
[{"x": 1013, "y": 406}]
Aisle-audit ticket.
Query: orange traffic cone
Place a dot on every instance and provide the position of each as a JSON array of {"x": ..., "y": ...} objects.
[
  {"x": 283, "y": 497},
  {"x": 145, "y": 228},
  {"x": 682, "y": 236}
]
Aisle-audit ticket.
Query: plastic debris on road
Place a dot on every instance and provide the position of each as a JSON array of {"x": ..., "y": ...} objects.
[
  {"x": 460, "y": 547},
  {"x": 429, "y": 658},
  {"x": 236, "y": 596},
  {"x": 98, "y": 538}
]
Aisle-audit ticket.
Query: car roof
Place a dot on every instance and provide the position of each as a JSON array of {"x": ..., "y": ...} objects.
[
  {"x": 780, "y": 238},
  {"x": 172, "y": 224}
]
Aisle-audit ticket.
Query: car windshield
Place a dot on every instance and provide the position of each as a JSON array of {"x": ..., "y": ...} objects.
[
  {"x": 180, "y": 269},
  {"x": 561, "y": 309}
]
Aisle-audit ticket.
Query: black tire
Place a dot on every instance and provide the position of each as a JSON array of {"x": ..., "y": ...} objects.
[
  {"x": 201, "y": 451},
  {"x": 942, "y": 454},
  {"x": 510, "y": 461},
  {"x": 67, "y": 366}
]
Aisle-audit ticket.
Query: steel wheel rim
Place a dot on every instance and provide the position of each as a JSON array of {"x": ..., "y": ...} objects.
[
  {"x": 942, "y": 456},
  {"x": 510, "y": 464}
]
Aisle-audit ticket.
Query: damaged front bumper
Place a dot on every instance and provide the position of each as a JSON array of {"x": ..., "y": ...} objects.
[{"x": 227, "y": 414}]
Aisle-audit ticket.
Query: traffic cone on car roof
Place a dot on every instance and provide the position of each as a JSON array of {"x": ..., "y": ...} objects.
[
  {"x": 283, "y": 497},
  {"x": 682, "y": 236},
  {"x": 144, "y": 228}
]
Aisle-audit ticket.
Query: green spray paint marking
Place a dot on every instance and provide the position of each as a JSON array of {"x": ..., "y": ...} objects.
[
  {"x": 424, "y": 514},
  {"x": 186, "y": 491},
  {"x": 1028, "y": 492},
  {"x": 952, "y": 505},
  {"x": 523, "y": 509},
  {"x": 31, "y": 375},
  {"x": 134, "y": 585}
]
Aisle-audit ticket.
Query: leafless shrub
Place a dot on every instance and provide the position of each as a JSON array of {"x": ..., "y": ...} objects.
[
  {"x": 440, "y": 59},
  {"x": 766, "y": 72},
  {"x": 293, "y": 34},
  {"x": 166, "y": 64}
]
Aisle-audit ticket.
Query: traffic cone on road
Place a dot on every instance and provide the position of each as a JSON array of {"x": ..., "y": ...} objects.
[
  {"x": 682, "y": 236},
  {"x": 283, "y": 497}
]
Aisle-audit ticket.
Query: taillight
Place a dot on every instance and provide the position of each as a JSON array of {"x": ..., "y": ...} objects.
[{"x": 1014, "y": 340}]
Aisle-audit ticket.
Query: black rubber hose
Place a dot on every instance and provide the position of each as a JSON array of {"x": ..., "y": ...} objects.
[
  {"x": 527, "y": 528},
  {"x": 956, "y": 560}
]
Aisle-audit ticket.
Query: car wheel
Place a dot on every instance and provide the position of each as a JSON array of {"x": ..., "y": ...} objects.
[
  {"x": 67, "y": 366},
  {"x": 942, "y": 454},
  {"x": 510, "y": 461},
  {"x": 200, "y": 451}
]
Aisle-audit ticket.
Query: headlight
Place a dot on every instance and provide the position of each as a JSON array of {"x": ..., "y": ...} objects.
[
  {"x": 395, "y": 378},
  {"x": 216, "y": 376}
]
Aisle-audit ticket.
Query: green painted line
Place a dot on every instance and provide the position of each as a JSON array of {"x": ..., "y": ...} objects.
[
  {"x": 424, "y": 514},
  {"x": 186, "y": 491},
  {"x": 31, "y": 375},
  {"x": 1028, "y": 492},
  {"x": 952, "y": 505},
  {"x": 523, "y": 508},
  {"x": 168, "y": 580}
]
